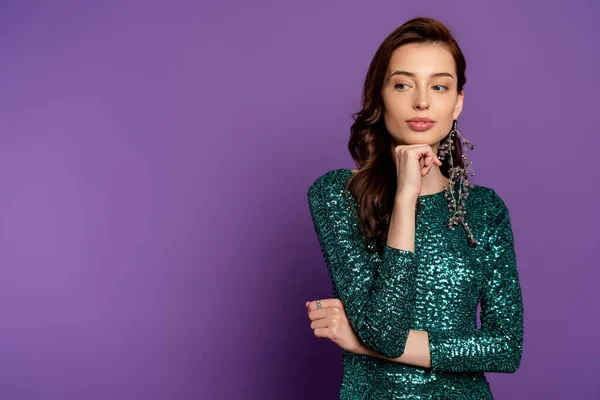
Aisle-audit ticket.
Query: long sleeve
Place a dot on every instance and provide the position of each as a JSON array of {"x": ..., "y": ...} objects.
[
  {"x": 497, "y": 345},
  {"x": 378, "y": 299}
]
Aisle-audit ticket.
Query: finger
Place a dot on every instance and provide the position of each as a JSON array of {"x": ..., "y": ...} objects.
[
  {"x": 328, "y": 313},
  {"x": 319, "y": 323},
  {"x": 317, "y": 314},
  {"x": 423, "y": 154},
  {"x": 428, "y": 157},
  {"x": 325, "y": 303},
  {"x": 425, "y": 170},
  {"x": 322, "y": 333}
]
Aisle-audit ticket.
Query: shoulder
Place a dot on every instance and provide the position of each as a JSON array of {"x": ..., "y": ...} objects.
[
  {"x": 486, "y": 194},
  {"x": 331, "y": 183},
  {"x": 489, "y": 201}
]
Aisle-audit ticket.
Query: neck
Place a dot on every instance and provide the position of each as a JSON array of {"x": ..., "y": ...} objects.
[{"x": 433, "y": 182}]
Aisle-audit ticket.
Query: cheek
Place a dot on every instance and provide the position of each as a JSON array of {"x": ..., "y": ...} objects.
[
  {"x": 444, "y": 127},
  {"x": 397, "y": 108}
]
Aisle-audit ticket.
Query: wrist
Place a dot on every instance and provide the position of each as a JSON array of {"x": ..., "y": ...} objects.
[
  {"x": 365, "y": 351},
  {"x": 405, "y": 200},
  {"x": 405, "y": 203},
  {"x": 361, "y": 350}
]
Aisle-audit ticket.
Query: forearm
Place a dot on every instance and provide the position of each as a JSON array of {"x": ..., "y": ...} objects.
[
  {"x": 401, "y": 231},
  {"x": 401, "y": 236},
  {"x": 383, "y": 322},
  {"x": 416, "y": 351},
  {"x": 468, "y": 352},
  {"x": 378, "y": 300}
]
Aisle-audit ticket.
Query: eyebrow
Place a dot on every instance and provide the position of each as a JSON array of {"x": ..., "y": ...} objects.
[{"x": 438, "y": 74}]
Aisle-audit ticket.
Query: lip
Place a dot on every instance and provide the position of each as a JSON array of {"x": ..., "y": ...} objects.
[
  {"x": 420, "y": 124},
  {"x": 420, "y": 119}
]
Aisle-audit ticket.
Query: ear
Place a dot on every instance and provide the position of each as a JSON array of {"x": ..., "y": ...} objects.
[{"x": 459, "y": 104}]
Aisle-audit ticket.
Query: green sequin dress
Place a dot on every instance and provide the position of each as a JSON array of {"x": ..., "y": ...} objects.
[{"x": 436, "y": 288}]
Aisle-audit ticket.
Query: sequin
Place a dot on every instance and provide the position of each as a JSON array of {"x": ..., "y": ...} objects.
[{"x": 436, "y": 288}]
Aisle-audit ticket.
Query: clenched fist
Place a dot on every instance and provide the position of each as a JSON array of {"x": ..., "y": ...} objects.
[
  {"x": 331, "y": 322},
  {"x": 412, "y": 163}
]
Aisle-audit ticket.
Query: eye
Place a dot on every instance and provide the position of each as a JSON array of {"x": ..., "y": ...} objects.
[
  {"x": 400, "y": 84},
  {"x": 445, "y": 88}
]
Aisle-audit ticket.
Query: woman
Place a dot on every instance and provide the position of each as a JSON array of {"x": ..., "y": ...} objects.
[{"x": 411, "y": 245}]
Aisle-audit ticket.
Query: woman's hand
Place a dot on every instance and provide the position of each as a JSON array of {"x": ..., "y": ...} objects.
[
  {"x": 412, "y": 163},
  {"x": 331, "y": 322}
]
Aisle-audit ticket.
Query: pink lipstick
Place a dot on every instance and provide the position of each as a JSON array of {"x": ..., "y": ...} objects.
[{"x": 420, "y": 124}]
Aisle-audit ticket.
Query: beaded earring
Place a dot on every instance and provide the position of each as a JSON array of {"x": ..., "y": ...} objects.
[{"x": 459, "y": 175}]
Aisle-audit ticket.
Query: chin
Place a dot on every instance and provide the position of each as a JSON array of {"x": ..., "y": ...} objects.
[
  {"x": 427, "y": 137},
  {"x": 418, "y": 138}
]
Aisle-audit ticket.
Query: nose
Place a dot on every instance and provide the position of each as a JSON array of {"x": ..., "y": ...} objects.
[
  {"x": 421, "y": 102},
  {"x": 422, "y": 105}
]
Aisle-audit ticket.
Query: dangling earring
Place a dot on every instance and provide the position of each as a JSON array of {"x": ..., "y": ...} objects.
[{"x": 458, "y": 174}]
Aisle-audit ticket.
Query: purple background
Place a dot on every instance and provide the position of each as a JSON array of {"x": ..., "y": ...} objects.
[{"x": 155, "y": 238}]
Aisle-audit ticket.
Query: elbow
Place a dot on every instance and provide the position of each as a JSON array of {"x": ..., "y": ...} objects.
[
  {"x": 508, "y": 366},
  {"x": 510, "y": 361},
  {"x": 514, "y": 362}
]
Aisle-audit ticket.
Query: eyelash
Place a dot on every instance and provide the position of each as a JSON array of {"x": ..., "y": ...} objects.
[{"x": 445, "y": 87}]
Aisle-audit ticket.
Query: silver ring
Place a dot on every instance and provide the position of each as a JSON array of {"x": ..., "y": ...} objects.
[{"x": 319, "y": 304}]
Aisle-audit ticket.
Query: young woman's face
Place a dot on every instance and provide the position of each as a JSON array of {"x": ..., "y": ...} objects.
[{"x": 421, "y": 81}]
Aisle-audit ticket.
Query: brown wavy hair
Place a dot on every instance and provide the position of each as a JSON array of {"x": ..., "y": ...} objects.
[{"x": 371, "y": 145}]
